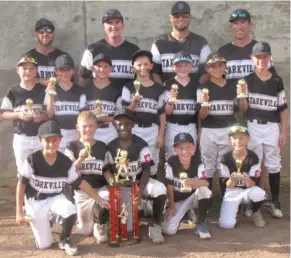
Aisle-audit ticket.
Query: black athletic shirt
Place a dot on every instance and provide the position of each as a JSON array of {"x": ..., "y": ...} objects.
[
  {"x": 67, "y": 105},
  {"x": 121, "y": 57},
  {"x": 15, "y": 101},
  {"x": 184, "y": 111},
  {"x": 239, "y": 62},
  {"x": 151, "y": 105},
  {"x": 250, "y": 165},
  {"x": 46, "y": 63},
  {"x": 139, "y": 156},
  {"x": 173, "y": 170},
  {"x": 91, "y": 170},
  {"x": 166, "y": 46},
  {"x": 222, "y": 100},
  {"x": 266, "y": 98},
  {"x": 44, "y": 180}
]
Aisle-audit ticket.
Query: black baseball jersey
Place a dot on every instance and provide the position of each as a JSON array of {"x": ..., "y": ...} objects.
[
  {"x": 91, "y": 170},
  {"x": 184, "y": 111},
  {"x": 15, "y": 101},
  {"x": 166, "y": 46},
  {"x": 139, "y": 156},
  {"x": 107, "y": 95},
  {"x": 67, "y": 105},
  {"x": 250, "y": 165},
  {"x": 151, "y": 105},
  {"x": 266, "y": 98},
  {"x": 44, "y": 180},
  {"x": 121, "y": 57},
  {"x": 46, "y": 63},
  {"x": 239, "y": 62},
  {"x": 223, "y": 104},
  {"x": 173, "y": 169}
]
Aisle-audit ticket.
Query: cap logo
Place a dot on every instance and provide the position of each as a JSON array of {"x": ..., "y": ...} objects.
[
  {"x": 51, "y": 127},
  {"x": 261, "y": 47},
  {"x": 182, "y": 137},
  {"x": 181, "y": 6}
]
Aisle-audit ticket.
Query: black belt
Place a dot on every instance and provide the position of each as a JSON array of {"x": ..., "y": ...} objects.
[
  {"x": 144, "y": 125},
  {"x": 105, "y": 125},
  {"x": 182, "y": 123},
  {"x": 260, "y": 122},
  {"x": 41, "y": 197}
]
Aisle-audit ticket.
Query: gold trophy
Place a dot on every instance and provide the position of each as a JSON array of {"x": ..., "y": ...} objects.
[
  {"x": 88, "y": 148},
  {"x": 174, "y": 93},
  {"x": 184, "y": 188},
  {"x": 29, "y": 110},
  {"x": 137, "y": 85},
  {"x": 121, "y": 163},
  {"x": 99, "y": 108},
  {"x": 241, "y": 89},
  {"x": 239, "y": 180},
  {"x": 53, "y": 82},
  {"x": 205, "y": 93},
  {"x": 123, "y": 214}
]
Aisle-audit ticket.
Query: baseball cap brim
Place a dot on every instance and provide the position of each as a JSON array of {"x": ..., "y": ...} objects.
[
  {"x": 142, "y": 53},
  {"x": 125, "y": 115},
  {"x": 49, "y": 135},
  {"x": 102, "y": 59}
]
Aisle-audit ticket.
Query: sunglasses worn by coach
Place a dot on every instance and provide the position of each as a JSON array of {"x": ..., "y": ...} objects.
[
  {"x": 45, "y": 30},
  {"x": 237, "y": 129},
  {"x": 179, "y": 15}
]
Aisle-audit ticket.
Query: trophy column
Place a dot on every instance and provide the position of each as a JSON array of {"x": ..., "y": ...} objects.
[
  {"x": 113, "y": 222},
  {"x": 134, "y": 191}
]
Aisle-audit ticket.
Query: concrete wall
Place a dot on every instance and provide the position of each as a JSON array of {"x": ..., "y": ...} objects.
[{"x": 79, "y": 23}]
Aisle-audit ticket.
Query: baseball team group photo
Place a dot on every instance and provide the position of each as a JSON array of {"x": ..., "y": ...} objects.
[{"x": 177, "y": 149}]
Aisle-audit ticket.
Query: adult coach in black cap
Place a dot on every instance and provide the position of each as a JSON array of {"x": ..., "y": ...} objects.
[
  {"x": 238, "y": 52},
  {"x": 45, "y": 53},
  {"x": 119, "y": 50},
  {"x": 180, "y": 39}
]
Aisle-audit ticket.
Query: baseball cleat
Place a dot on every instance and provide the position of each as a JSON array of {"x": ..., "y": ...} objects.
[
  {"x": 258, "y": 219},
  {"x": 68, "y": 247},
  {"x": 100, "y": 233},
  {"x": 275, "y": 212},
  {"x": 248, "y": 213},
  {"x": 155, "y": 234},
  {"x": 202, "y": 231}
]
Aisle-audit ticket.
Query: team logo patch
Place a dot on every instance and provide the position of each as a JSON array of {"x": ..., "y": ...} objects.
[
  {"x": 147, "y": 158},
  {"x": 204, "y": 175},
  {"x": 257, "y": 174}
]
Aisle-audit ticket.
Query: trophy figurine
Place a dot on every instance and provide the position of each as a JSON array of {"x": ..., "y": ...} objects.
[
  {"x": 124, "y": 214},
  {"x": 240, "y": 181},
  {"x": 99, "y": 108},
  {"x": 205, "y": 94},
  {"x": 184, "y": 188},
  {"x": 241, "y": 89},
  {"x": 29, "y": 110},
  {"x": 174, "y": 93},
  {"x": 121, "y": 163},
  {"x": 53, "y": 82},
  {"x": 137, "y": 85},
  {"x": 87, "y": 146}
]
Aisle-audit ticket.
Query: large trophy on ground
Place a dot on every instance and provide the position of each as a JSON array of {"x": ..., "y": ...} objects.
[{"x": 118, "y": 210}]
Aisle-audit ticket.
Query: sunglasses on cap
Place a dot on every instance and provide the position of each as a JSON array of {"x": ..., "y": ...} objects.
[
  {"x": 237, "y": 129},
  {"x": 239, "y": 15},
  {"x": 27, "y": 60},
  {"x": 179, "y": 15},
  {"x": 45, "y": 30},
  {"x": 215, "y": 59}
]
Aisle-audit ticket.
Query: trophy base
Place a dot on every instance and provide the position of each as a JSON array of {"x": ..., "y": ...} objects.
[
  {"x": 186, "y": 190},
  {"x": 51, "y": 93},
  {"x": 242, "y": 96},
  {"x": 90, "y": 158},
  {"x": 205, "y": 105},
  {"x": 120, "y": 242}
]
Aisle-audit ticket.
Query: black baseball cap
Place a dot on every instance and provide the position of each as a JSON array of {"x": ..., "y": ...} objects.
[
  {"x": 111, "y": 14},
  {"x": 181, "y": 7},
  {"x": 183, "y": 137},
  {"x": 64, "y": 61},
  {"x": 41, "y": 23},
  {"x": 215, "y": 57},
  {"x": 142, "y": 53},
  {"x": 102, "y": 57},
  {"x": 240, "y": 14},
  {"x": 125, "y": 112},
  {"x": 182, "y": 56},
  {"x": 48, "y": 129},
  {"x": 237, "y": 128},
  {"x": 27, "y": 59},
  {"x": 261, "y": 48}
]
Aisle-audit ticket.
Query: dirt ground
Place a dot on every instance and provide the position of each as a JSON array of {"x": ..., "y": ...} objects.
[{"x": 244, "y": 241}]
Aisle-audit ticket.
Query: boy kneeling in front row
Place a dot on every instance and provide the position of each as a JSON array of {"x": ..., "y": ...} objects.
[
  {"x": 41, "y": 182},
  {"x": 185, "y": 194},
  {"x": 241, "y": 187}
]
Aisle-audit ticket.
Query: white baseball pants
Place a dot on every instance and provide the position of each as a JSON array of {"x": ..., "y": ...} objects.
[
  {"x": 39, "y": 212},
  {"x": 214, "y": 142},
  {"x": 233, "y": 197},
  {"x": 106, "y": 134},
  {"x": 170, "y": 226},
  {"x": 264, "y": 141}
]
